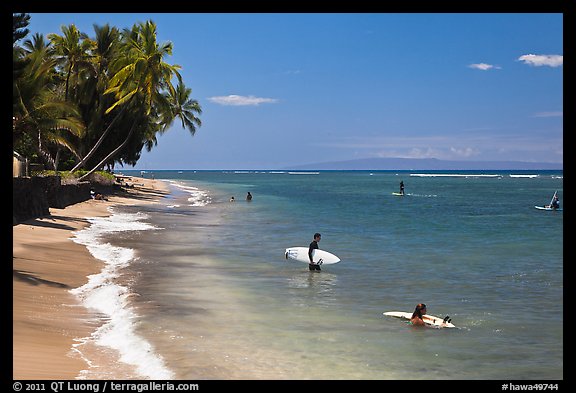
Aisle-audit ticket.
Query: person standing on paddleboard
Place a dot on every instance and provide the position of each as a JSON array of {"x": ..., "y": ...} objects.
[
  {"x": 401, "y": 187},
  {"x": 313, "y": 246}
]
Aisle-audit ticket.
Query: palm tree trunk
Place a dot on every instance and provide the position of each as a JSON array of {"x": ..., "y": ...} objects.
[
  {"x": 44, "y": 153},
  {"x": 100, "y": 140},
  {"x": 112, "y": 154},
  {"x": 67, "y": 81}
]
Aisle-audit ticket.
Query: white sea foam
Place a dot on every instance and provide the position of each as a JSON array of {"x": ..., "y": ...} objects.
[
  {"x": 525, "y": 176},
  {"x": 106, "y": 296},
  {"x": 453, "y": 175},
  {"x": 197, "y": 196},
  {"x": 303, "y": 173}
]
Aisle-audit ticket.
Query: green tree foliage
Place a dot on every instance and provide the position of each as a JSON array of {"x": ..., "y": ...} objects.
[
  {"x": 43, "y": 121},
  {"x": 94, "y": 102},
  {"x": 19, "y": 27},
  {"x": 19, "y": 61}
]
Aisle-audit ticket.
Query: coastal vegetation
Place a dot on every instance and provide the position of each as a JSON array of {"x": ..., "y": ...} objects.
[
  {"x": 89, "y": 103},
  {"x": 101, "y": 178}
]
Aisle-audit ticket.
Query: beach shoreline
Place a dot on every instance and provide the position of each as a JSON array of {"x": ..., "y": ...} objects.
[{"x": 47, "y": 319}]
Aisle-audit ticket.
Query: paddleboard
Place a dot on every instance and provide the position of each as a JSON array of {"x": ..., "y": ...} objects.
[
  {"x": 428, "y": 319},
  {"x": 397, "y": 194},
  {"x": 547, "y": 208},
  {"x": 319, "y": 257}
]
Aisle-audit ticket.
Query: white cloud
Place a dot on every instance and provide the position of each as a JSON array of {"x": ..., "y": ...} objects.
[
  {"x": 464, "y": 151},
  {"x": 422, "y": 152},
  {"x": 478, "y": 145},
  {"x": 237, "y": 100},
  {"x": 542, "y": 60},
  {"x": 483, "y": 66}
]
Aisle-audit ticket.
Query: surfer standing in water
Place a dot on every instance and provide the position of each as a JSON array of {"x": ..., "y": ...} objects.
[
  {"x": 401, "y": 187},
  {"x": 313, "y": 246},
  {"x": 416, "y": 319}
]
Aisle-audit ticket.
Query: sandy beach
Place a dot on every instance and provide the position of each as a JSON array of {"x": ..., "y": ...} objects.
[{"x": 46, "y": 265}]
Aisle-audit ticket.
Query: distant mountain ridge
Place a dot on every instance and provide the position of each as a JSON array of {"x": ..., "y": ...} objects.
[{"x": 426, "y": 164}]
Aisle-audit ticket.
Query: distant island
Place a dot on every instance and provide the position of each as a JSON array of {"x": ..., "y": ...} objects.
[{"x": 426, "y": 164}]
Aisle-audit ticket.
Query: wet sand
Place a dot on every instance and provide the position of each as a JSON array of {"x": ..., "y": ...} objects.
[{"x": 47, "y": 319}]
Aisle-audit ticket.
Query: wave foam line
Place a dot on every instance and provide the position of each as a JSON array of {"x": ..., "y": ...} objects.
[
  {"x": 103, "y": 294},
  {"x": 197, "y": 197}
]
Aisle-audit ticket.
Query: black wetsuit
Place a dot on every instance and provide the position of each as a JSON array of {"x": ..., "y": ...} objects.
[{"x": 313, "y": 246}]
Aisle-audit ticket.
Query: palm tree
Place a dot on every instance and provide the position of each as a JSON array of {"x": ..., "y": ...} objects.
[
  {"x": 56, "y": 121},
  {"x": 38, "y": 111},
  {"x": 143, "y": 69},
  {"x": 117, "y": 84},
  {"x": 72, "y": 49},
  {"x": 105, "y": 45},
  {"x": 174, "y": 106},
  {"x": 185, "y": 108},
  {"x": 141, "y": 75},
  {"x": 94, "y": 81},
  {"x": 19, "y": 26},
  {"x": 19, "y": 31}
]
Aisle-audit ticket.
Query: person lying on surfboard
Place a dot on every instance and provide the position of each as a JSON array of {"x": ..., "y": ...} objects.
[
  {"x": 419, "y": 311},
  {"x": 418, "y": 317}
]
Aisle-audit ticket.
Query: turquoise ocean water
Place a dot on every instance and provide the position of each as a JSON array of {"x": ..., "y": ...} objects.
[{"x": 197, "y": 287}]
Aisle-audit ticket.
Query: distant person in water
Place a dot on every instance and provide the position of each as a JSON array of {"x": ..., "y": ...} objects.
[
  {"x": 417, "y": 315},
  {"x": 232, "y": 199},
  {"x": 401, "y": 187},
  {"x": 249, "y": 196},
  {"x": 313, "y": 246},
  {"x": 555, "y": 202}
]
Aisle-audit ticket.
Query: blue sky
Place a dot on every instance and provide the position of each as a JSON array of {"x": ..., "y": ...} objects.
[{"x": 288, "y": 89}]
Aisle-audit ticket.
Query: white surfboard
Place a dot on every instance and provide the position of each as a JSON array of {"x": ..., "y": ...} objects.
[
  {"x": 430, "y": 320},
  {"x": 319, "y": 257},
  {"x": 547, "y": 208}
]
